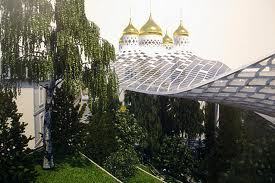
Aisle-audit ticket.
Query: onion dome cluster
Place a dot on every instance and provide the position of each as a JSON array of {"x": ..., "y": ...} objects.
[{"x": 151, "y": 36}]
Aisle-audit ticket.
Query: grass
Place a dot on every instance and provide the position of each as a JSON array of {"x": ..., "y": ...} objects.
[
  {"x": 77, "y": 169},
  {"x": 72, "y": 169},
  {"x": 142, "y": 177}
]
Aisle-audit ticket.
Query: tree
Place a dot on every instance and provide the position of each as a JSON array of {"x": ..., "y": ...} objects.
[
  {"x": 256, "y": 161},
  {"x": 146, "y": 110},
  {"x": 229, "y": 141},
  {"x": 129, "y": 136},
  {"x": 188, "y": 116},
  {"x": 101, "y": 137},
  {"x": 67, "y": 130},
  {"x": 122, "y": 163},
  {"x": 210, "y": 126},
  {"x": 109, "y": 132},
  {"x": 255, "y": 164},
  {"x": 209, "y": 162},
  {"x": 103, "y": 104},
  {"x": 129, "y": 132},
  {"x": 175, "y": 159},
  {"x": 230, "y": 130},
  {"x": 15, "y": 164},
  {"x": 42, "y": 41},
  {"x": 112, "y": 139}
]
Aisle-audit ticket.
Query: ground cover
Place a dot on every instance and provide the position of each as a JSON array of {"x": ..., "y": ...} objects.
[
  {"x": 72, "y": 169},
  {"x": 141, "y": 177}
]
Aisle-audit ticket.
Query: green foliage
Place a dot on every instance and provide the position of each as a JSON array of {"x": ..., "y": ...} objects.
[
  {"x": 67, "y": 130},
  {"x": 122, "y": 163},
  {"x": 221, "y": 150},
  {"x": 111, "y": 135},
  {"x": 256, "y": 161},
  {"x": 165, "y": 116},
  {"x": 108, "y": 131},
  {"x": 187, "y": 115},
  {"x": 210, "y": 127},
  {"x": 45, "y": 40},
  {"x": 101, "y": 137},
  {"x": 175, "y": 159},
  {"x": 129, "y": 132},
  {"x": 171, "y": 119},
  {"x": 209, "y": 170},
  {"x": 255, "y": 164},
  {"x": 230, "y": 135},
  {"x": 103, "y": 89},
  {"x": 141, "y": 176},
  {"x": 29, "y": 39},
  {"x": 15, "y": 164},
  {"x": 146, "y": 110},
  {"x": 24, "y": 37}
]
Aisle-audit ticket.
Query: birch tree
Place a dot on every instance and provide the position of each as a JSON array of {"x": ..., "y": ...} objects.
[{"x": 48, "y": 42}]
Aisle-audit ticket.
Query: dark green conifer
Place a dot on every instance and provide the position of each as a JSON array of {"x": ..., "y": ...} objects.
[
  {"x": 15, "y": 163},
  {"x": 67, "y": 130}
]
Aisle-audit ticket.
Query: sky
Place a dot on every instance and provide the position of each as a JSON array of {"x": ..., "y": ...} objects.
[{"x": 235, "y": 32}]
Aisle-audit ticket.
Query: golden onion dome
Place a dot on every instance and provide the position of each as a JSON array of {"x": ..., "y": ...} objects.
[
  {"x": 130, "y": 29},
  {"x": 181, "y": 31},
  {"x": 167, "y": 39},
  {"x": 150, "y": 28}
]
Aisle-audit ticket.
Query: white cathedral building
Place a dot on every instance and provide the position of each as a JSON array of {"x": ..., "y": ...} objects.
[
  {"x": 151, "y": 38},
  {"x": 149, "y": 61}
]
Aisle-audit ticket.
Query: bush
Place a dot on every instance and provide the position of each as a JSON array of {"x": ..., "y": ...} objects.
[
  {"x": 111, "y": 139},
  {"x": 129, "y": 132},
  {"x": 108, "y": 131},
  {"x": 15, "y": 164},
  {"x": 175, "y": 158},
  {"x": 101, "y": 137},
  {"x": 122, "y": 163}
]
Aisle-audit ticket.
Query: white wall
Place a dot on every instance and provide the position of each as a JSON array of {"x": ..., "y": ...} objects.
[
  {"x": 29, "y": 104},
  {"x": 25, "y": 106}
]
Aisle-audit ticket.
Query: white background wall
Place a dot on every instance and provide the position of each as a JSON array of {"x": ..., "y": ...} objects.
[{"x": 25, "y": 106}]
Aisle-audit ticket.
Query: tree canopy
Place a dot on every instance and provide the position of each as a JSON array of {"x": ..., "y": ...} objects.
[
  {"x": 43, "y": 38},
  {"x": 52, "y": 40}
]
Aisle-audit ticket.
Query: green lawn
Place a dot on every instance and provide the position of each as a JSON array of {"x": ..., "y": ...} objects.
[
  {"x": 142, "y": 177},
  {"x": 76, "y": 169},
  {"x": 73, "y": 169}
]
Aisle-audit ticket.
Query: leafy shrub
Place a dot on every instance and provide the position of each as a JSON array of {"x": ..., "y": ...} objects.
[
  {"x": 122, "y": 163},
  {"x": 129, "y": 132},
  {"x": 175, "y": 158},
  {"x": 101, "y": 137}
]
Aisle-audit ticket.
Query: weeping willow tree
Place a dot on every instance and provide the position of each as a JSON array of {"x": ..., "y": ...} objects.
[{"x": 49, "y": 42}]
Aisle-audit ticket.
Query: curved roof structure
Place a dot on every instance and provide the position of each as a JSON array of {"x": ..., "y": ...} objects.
[
  {"x": 182, "y": 74},
  {"x": 153, "y": 68},
  {"x": 164, "y": 73}
]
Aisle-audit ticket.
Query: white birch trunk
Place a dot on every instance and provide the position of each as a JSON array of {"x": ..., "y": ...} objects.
[{"x": 47, "y": 142}]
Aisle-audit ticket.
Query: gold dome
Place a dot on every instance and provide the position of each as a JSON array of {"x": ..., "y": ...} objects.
[
  {"x": 130, "y": 29},
  {"x": 167, "y": 39},
  {"x": 150, "y": 28},
  {"x": 181, "y": 31}
]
